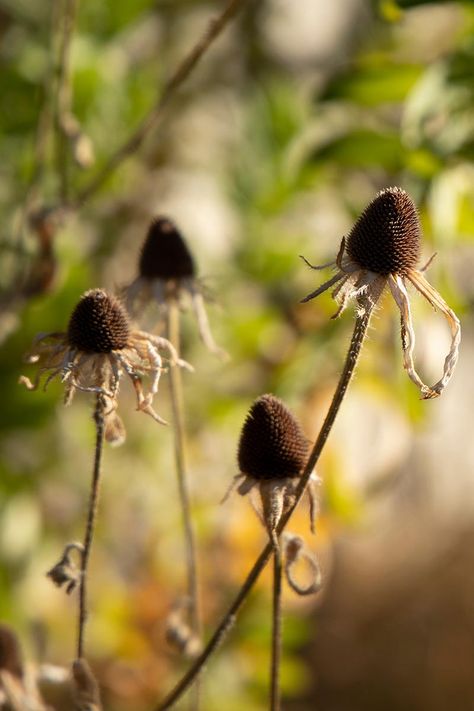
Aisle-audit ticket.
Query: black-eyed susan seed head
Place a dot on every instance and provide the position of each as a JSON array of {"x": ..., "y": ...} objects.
[
  {"x": 272, "y": 444},
  {"x": 165, "y": 254},
  {"x": 98, "y": 324},
  {"x": 386, "y": 237}
]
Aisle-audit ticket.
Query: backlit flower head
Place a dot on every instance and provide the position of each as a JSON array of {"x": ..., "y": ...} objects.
[
  {"x": 98, "y": 347},
  {"x": 167, "y": 273},
  {"x": 272, "y": 455},
  {"x": 383, "y": 248}
]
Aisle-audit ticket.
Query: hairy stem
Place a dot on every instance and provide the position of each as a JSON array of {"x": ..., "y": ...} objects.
[
  {"x": 276, "y": 632},
  {"x": 90, "y": 524},
  {"x": 181, "y": 73},
  {"x": 176, "y": 394},
  {"x": 360, "y": 329}
]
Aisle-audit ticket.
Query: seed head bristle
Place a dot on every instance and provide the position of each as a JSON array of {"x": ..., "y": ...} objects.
[
  {"x": 98, "y": 324},
  {"x": 386, "y": 237},
  {"x": 165, "y": 254},
  {"x": 272, "y": 444}
]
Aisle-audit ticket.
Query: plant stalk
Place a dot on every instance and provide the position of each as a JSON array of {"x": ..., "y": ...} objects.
[
  {"x": 276, "y": 631},
  {"x": 90, "y": 524},
  {"x": 176, "y": 396},
  {"x": 363, "y": 315}
]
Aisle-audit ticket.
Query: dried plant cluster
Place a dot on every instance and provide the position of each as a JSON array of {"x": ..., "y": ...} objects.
[{"x": 103, "y": 342}]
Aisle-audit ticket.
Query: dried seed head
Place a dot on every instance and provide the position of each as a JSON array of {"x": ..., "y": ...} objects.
[
  {"x": 98, "y": 324},
  {"x": 165, "y": 254},
  {"x": 272, "y": 444},
  {"x": 386, "y": 237}
]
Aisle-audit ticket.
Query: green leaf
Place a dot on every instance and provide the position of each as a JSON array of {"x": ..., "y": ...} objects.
[
  {"x": 362, "y": 149},
  {"x": 379, "y": 83}
]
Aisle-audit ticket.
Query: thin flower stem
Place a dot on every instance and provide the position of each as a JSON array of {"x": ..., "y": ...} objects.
[
  {"x": 90, "y": 524},
  {"x": 181, "y": 73},
  {"x": 276, "y": 632},
  {"x": 176, "y": 394},
  {"x": 360, "y": 329}
]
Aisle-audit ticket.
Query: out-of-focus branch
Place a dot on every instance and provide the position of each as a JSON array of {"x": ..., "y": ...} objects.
[
  {"x": 63, "y": 95},
  {"x": 182, "y": 72}
]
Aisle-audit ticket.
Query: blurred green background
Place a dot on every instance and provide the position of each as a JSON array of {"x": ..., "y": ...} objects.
[{"x": 297, "y": 116}]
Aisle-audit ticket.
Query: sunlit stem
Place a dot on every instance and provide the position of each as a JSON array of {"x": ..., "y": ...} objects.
[
  {"x": 90, "y": 523},
  {"x": 360, "y": 329},
  {"x": 276, "y": 629}
]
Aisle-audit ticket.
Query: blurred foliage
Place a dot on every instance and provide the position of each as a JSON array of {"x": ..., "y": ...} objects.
[{"x": 262, "y": 156}]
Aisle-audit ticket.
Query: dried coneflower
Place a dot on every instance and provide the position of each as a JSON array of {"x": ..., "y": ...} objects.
[
  {"x": 383, "y": 248},
  {"x": 272, "y": 454},
  {"x": 167, "y": 276},
  {"x": 98, "y": 347}
]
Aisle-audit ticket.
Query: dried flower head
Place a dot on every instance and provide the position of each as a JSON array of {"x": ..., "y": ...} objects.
[
  {"x": 383, "y": 248},
  {"x": 272, "y": 455},
  {"x": 165, "y": 254},
  {"x": 272, "y": 444},
  {"x": 167, "y": 274},
  {"x": 98, "y": 347}
]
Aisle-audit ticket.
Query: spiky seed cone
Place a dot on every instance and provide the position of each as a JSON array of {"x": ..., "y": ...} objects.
[
  {"x": 272, "y": 444},
  {"x": 386, "y": 237},
  {"x": 165, "y": 254},
  {"x": 98, "y": 324}
]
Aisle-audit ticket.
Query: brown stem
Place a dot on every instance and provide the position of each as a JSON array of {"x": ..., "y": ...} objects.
[
  {"x": 182, "y": 72},
  {"x": 360, "y": 329},
  {"x": 176, "y": 395},
  {"x": 276, "y": 631},
  {"x": 90, "y": 523}
]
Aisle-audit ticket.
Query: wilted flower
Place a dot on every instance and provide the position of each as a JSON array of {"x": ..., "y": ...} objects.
[
  {"x": 383, "y": 248},
  {"x": 167, "y": 274},
  {"x": 272, "y": 455},
  {"x": 98, "y": 347}
]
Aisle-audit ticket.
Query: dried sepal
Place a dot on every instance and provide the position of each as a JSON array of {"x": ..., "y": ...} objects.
[
  {"x": 65, "y": 573},
  {"x": 294, "y": 552}
]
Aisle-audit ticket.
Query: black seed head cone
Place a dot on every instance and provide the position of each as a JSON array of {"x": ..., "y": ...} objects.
[
  {"x": 272, "y": 444},
  {"x": 98, "y": 324},
  {"x": 165, "y": 254},
  {"x": 386, "y": 237}
]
